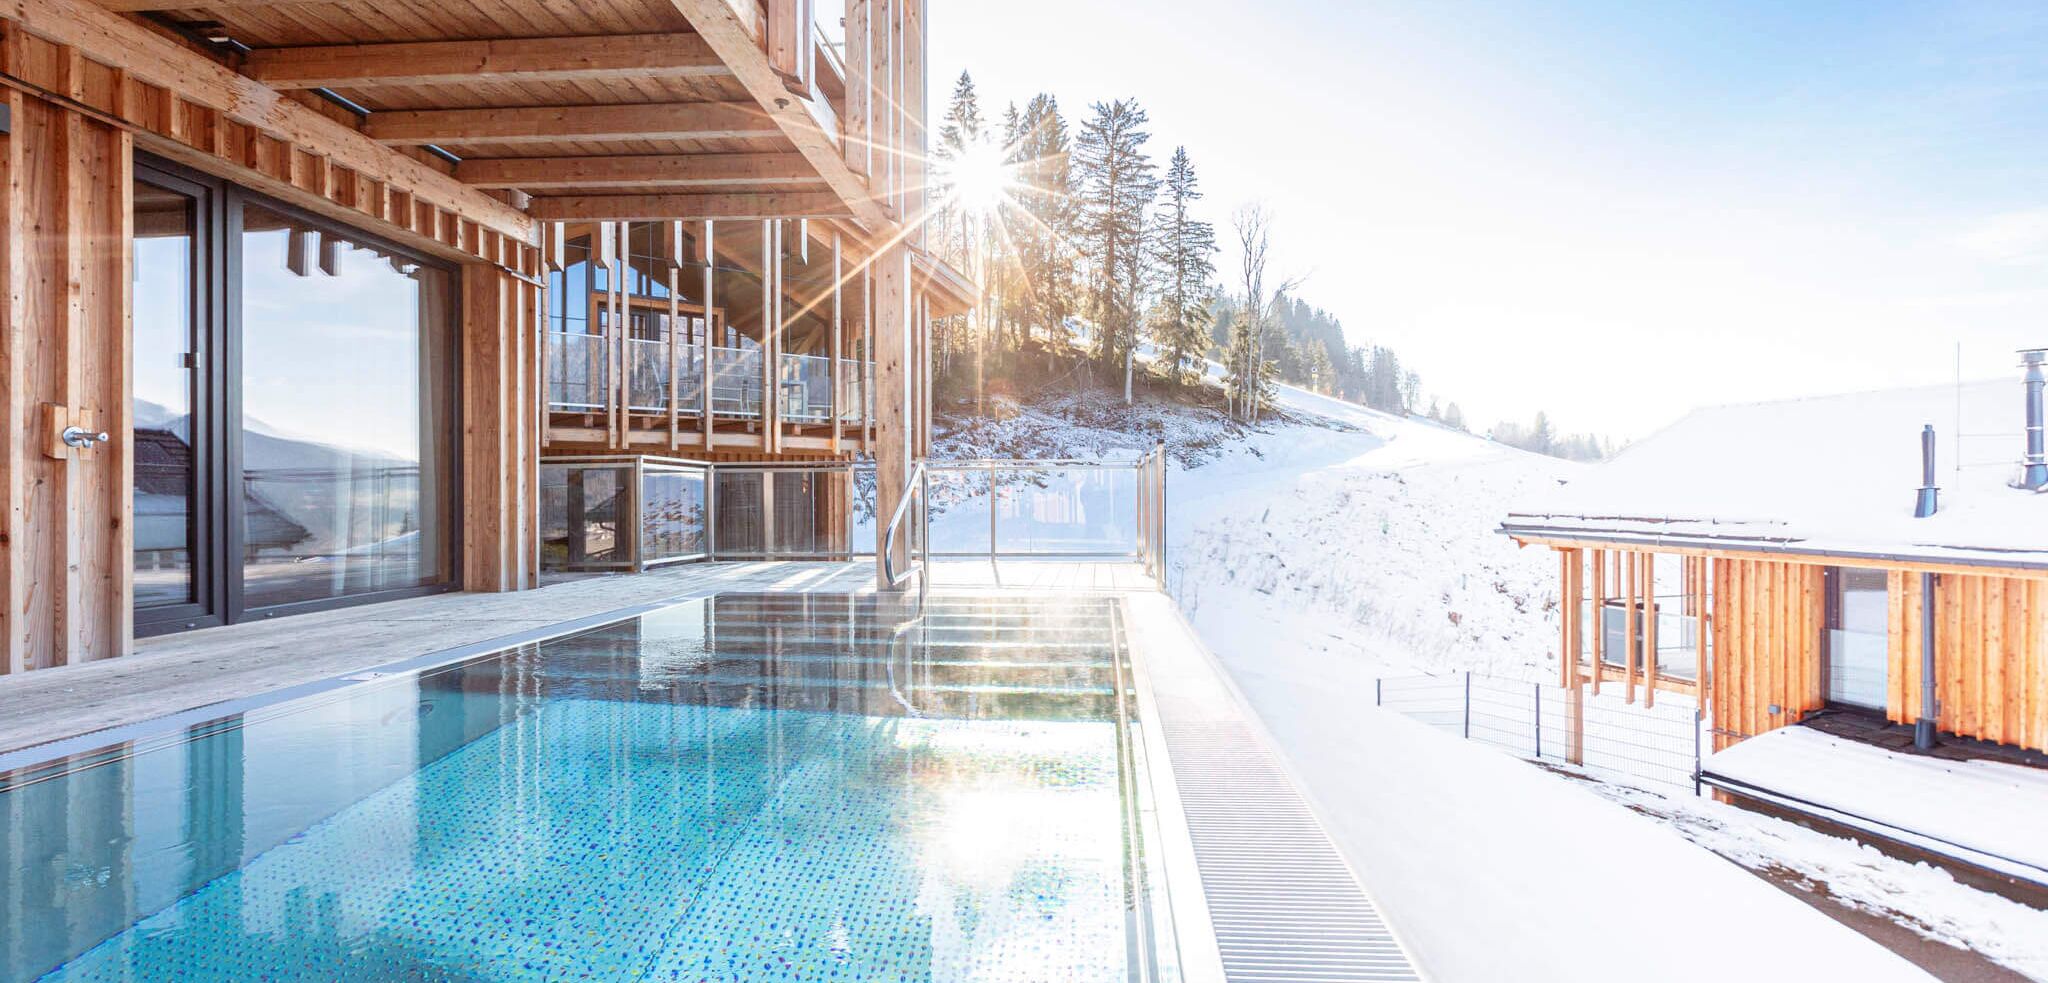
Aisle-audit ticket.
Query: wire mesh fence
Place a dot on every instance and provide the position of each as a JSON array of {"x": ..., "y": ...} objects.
[{"x": 1655, "y": 747}]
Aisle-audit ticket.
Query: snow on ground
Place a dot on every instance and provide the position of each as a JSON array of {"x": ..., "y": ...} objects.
[
  {"x": 1491, "y": 869},
  {"x": 1333, "y": 545},
  {"x": 1924, "y": 899},
  {"x": 1384, "y": 531}
]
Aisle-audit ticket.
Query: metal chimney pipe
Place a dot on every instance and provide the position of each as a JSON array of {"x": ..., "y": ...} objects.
[
  {"x": 1929, "y": 499},
  {"x": 2034, "y": 471},
  {"x": 1930, "y": 707}
]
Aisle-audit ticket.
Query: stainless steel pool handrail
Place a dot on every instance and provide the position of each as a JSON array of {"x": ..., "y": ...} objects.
[{"x": 915, "y": 488}]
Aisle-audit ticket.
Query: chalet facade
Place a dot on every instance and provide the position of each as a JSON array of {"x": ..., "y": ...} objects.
[
  {"x": 302, "y": 295},
  {"x": 1779, "y": 560}
]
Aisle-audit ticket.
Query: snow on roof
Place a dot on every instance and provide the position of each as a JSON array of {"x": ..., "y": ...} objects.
[{"x": 1831, "y": 475}]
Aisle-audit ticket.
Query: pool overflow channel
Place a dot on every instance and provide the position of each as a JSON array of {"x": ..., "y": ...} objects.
[{"x": 939, "y": 718}]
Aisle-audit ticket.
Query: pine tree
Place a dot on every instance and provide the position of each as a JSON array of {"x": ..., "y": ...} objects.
[
  {"x": 1319, "y": 367},
  {"x": 1183, "y": 248},
  {"x": 1117, "y": 185},
  {"x": 1454, "y": 417},
  {"x": 1044, "y": 232},
  {"x": 1542, "y": 436},
  {"x": 1248, "y": 383},
  {"x": 960, "y": 130}
]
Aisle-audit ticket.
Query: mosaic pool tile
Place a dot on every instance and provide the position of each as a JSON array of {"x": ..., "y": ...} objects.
[{"x": 601, "y": 820}]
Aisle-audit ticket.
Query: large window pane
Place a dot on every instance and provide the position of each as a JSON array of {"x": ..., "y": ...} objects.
[
  {"x": 166, "y": 474},
  {"x": 345, "y": 415},
  {"x": 1859, "y": 611}
]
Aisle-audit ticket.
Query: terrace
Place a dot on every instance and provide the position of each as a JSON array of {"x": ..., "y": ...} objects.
[{"x": 1195, "y": 747}]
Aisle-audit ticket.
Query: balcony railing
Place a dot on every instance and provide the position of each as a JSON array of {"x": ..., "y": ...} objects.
[
  {"x": 579, "y": 379},
  {"x": 736, "y": 381},
  {"x": 612, "y": 512},
  {"x": 647, "y": 376}
]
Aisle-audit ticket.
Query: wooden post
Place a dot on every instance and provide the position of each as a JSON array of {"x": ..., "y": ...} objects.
[
  {"x": 1567, "y": 657},
  {"x": 893, "y": 379},
  {"x": 710, "y": 322},
  {"x": 838, "y": 330},
  {"x": 771, "y": 409},
  {"x": 859, "y": 87},
  {"x": 867, "y": 356},
  {"x": 1649, "y": 629},
  {"x": 1599, "y": 617},
  {"x": 1702, "y": 671},
  {"x": 674, "y": 322},
  {"x": 1631, "y": 644}
]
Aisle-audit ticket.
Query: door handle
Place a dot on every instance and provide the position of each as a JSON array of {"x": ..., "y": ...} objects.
[{"x": 80, "y": 437}]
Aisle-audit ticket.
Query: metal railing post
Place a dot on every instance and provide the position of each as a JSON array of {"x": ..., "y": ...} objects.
[
  {"x": 711, "y": 511},
  {"x": 991, "y": 516},
  {"x": 1468, "y": 704},
  {"x": 1539, "y": 720},
  {"x": 639, "y": 500},
  {"x": 1696, "y": 790},
  {"x": 924, "y": 536}
]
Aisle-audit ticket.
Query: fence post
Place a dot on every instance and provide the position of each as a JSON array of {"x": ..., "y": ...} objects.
[
  {"x": 1379, "y": 696},
  {"x": 1468, "y": 704},
  {"x": 1696, "y": 790},
  {"x": 1539, "y": 720}
]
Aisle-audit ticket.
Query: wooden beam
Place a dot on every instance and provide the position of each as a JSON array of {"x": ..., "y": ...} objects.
[
  {"x": 733, "y": 38},
  {"x": 1599, "y": 605},
  {"x": 1633, "y": 648},
  {"x": 624, "y": 56},
  {"x": 555, "y": 124},
  {"x": 667, "y": 170},
  {"x": 687, "y": 206},
  {"x": 146, "y": 56},
  {"x": 140, "y": 6},
  {"x": 1649, "y": 629}
]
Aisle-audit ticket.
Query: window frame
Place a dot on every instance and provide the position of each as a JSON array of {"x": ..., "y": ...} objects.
[
  {"x": 220, "y": 525},
  {"x": 208, "y": 512}
]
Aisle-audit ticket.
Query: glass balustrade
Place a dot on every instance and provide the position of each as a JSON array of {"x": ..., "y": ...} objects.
[
  {"x": 578, "y": 373},
  {"x": 1677, "y": 637},
  {"x": 736, "y": 381},
  {"x": 647, "y": 376},
  {"x": 579, "y": 378}
]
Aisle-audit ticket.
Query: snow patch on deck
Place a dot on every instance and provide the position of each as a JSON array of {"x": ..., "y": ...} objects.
[{"x": 1985, "y": 807}]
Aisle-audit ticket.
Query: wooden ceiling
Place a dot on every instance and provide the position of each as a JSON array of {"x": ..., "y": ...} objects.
[{"x": 583, "y": 106}]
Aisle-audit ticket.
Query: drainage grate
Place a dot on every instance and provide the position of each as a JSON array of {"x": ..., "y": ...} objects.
[{"x": 1283, "y": 902}]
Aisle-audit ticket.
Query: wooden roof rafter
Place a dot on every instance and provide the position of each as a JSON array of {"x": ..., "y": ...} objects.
[
  {"x": 469, "y": 62},
  {"x": 287, "y": 143},
  {"x": 687, "y": 207},
  {"x": 639, "y": 171},
  {"x": 734, "y": 37},
  {"x": 557, "y": 124}
]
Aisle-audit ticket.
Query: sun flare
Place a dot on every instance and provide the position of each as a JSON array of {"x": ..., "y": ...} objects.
[{"x": 981, "y": 180}]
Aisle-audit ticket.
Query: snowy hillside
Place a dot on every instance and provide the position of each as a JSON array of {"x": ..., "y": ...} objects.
[{"x": 1330, "y": 527}]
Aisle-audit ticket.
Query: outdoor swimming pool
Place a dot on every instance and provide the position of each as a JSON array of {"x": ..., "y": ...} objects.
[{"x": 745, "y": 787}]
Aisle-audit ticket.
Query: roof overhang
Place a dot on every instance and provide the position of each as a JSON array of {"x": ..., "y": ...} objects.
[
  {"x": 951, "y": 292},
  {"x": 1563, "y": 532}
]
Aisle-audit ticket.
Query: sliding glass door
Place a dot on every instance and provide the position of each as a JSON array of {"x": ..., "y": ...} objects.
[
  {"x": 168, "y": 406},
  {"x": 323, "y": 387},
  {"x": 345, "y": 414}
]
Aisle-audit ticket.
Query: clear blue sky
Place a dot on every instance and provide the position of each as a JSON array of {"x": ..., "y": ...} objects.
[{"x": 1614, "y": 211}]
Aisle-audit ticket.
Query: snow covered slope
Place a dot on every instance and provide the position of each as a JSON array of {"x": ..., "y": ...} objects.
[
  {"x": 1379, "y": 532},
  {"x": 1326, "y": 520}
]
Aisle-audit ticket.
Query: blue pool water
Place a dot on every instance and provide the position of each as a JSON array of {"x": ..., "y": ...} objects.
[{"x": 750, "y": 787}]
